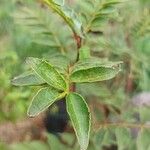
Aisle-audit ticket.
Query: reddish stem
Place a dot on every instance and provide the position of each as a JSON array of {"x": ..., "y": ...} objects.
[
  {"x": 78, "y": 40},
  {"x": 78, "y": 43}
]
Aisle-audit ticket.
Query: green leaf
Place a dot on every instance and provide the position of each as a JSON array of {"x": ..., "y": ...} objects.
[
  {"x": 43, "y": 99},
  {"x": 60, "y": 65},
  {"x": 68, "y": 15},
  {"x": 92, "y": 70},
  {"x": 80, "y": 118},
  {"x": 26, "y": 79},
  {"x": 47, "y": 72},
  {"x": 95, "y": 13}
]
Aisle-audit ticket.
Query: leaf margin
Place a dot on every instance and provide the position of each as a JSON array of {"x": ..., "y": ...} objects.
[
  {"x": 58, "y": 98},
  {"x": 89, "y": 121}
]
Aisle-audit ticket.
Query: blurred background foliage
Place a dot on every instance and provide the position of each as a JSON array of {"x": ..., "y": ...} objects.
[{"x": 27, "y": 28}]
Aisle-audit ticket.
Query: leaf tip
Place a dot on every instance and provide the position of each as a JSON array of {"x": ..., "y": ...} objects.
[
  {"x": 30, "y": 113},
  {"x": 13, "y": 81},
  {"x": 84, "y": 146},
  {"x": 31, "y": 60},
  {"x": 28, "y": 60}
]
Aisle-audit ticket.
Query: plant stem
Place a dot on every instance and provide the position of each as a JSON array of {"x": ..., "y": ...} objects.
[
  {"x": 78, "y": 40},
  {"x": 60, "y": 13}
]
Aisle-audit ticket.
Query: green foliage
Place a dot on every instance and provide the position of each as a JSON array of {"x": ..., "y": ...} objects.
[
  {"x": 47, "y": 72},
  {"x": 46, "y": 96},
  {"x": 13, "y": 101},
  {"x": 101, "y": 28},
  {"x": 80, "y": 118},
  {"x": 88, "y": 70},
  {"x": 92, "y": 70},
  {"x": 95, "y": 13},
  {"x": 67, "y": 14},
  {"x": 43, "y": 99},
  {"x": 26, "y": 79},
  {"x": 41, "y": 31}
]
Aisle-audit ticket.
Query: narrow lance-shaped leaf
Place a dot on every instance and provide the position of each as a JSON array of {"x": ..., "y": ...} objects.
[
  {"x": 27, "y": 79},
  {"x": 92, "y": 70},
  {"x": 43, "y": 99},
  {"x": 80, "y": 118},
  {"x": 47, "y": 72}
]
